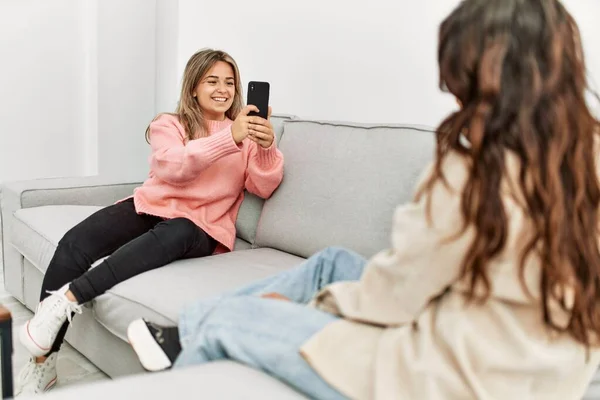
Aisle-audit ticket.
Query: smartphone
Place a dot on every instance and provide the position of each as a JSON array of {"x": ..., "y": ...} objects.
[{"x": 258, "y": 95}]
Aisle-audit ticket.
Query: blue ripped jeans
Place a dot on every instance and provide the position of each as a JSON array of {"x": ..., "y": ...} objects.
[{"x": 267, "y": 334}]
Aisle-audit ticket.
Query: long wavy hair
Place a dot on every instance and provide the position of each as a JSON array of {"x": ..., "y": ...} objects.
[
  {"x": 517, "y": 68},
  {"x": 188, "y": 110}
]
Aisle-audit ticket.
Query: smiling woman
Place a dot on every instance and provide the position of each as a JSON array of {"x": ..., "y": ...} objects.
[
  {"x": 216, "y": 91},
  {"x": 211, "y": 90},
  {"x": 203, "y": 158}
]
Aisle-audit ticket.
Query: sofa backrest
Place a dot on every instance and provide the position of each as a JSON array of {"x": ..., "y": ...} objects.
[
  {"x": 341, "y": 185},
  {"x": 251, "y": 207}
]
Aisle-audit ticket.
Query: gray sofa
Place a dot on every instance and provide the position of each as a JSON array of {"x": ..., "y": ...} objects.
[{"x": 341, "y": 184}]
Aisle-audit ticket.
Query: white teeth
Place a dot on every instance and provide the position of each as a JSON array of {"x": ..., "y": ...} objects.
[{"x": 221, "y": 99}]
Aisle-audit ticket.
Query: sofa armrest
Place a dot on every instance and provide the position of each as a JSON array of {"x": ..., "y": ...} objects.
[{"x": 93, "y": 190}]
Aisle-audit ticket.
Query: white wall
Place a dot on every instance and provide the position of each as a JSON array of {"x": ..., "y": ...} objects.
[
  {"x": 41, "y": 89},
  {"x": 81, "y": 79},
  {"x": 372, "y": 61},
  {"x": 168, "y": 80},
  {"x": 126, "y": 87},
  {"x": 369, "y": 61},
  {"x": 586, "y": 13},
  {"x": 77, "y": 87}
]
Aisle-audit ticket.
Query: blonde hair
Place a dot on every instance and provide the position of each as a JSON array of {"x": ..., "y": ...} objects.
[{"x": 188, "y": 110}]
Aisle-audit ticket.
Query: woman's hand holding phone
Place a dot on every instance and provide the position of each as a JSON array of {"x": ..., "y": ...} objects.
[
  {"x": 261, "y": 131},
  {"x": 241, "y": 126},
  {"x": 255, "y": 128}
]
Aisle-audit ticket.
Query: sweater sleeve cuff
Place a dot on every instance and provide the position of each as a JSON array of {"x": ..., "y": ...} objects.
[
  {"x": 267, "y": 157},
  {"x": 216, "y": 145}
]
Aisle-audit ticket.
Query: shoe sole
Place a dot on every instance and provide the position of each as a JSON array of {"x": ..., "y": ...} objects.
[
  {"x": 30, "y": 344},
  {"x": 151, "y": 355}
]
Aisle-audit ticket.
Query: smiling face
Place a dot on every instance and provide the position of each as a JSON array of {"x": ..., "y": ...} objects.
[{"x": 216, "y": 91}]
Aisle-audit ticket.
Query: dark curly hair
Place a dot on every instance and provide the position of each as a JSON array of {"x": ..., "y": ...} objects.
[{"x": 517, "y": 68}]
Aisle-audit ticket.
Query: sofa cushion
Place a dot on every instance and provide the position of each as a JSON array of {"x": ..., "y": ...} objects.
[
  {"x": 160, "y": 295},
  {"x": 223, "y": 380},
  {"x": 36, "y": 231},
  {"x": 250, "y": 210},
  {"x": 342, "y": 183}
]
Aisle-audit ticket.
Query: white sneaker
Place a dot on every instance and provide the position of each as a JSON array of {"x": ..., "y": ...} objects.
[
  {"x": 156, "y": 346},
  {"x": 39, "y": 333},
  {"x": 37, "y": 378}
]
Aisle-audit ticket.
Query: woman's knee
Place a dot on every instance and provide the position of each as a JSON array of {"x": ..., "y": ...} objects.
[
  {"x": 75, "y": 247},
  {"x": 71, "y": 238},
  {"x": 82, "y": 236},
  {"x": 70, "y": 244},
  {"x": 333, "y": 253},
  {"x": 339, "y": 263}
]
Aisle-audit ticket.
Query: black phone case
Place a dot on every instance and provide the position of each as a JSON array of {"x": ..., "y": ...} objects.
[{"x": 258, "y": 95}]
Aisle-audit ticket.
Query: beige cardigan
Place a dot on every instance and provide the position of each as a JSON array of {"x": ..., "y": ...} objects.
[{"x": 398, "y": 341}]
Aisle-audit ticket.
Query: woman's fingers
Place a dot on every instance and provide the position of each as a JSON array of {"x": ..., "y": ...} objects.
[
  {"x": 260, "y": 135},
  {"x": 259, "y": 128},
  {"x": 259, "y": 121}
]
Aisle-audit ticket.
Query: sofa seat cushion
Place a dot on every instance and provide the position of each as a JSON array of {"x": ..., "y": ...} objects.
[
  {"x": 161, "y": 294},
  {"x": 224, "y": 380},
  {"x": 37, "y": 230}
]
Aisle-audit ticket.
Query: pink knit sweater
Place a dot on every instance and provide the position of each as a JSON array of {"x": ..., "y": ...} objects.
[{"x": 204, "y": 179}]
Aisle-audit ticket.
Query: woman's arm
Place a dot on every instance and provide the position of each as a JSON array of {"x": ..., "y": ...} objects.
[
  {"x": 265, "y": 169},
  {"x": 177, "y": 162}
]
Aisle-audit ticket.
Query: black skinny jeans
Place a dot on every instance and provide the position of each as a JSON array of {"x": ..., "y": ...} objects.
[{"x": 135, "y": 242}]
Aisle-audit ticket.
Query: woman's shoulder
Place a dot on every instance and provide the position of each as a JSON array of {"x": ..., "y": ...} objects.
[
  {"x": 455, "y": 169},
  {"x": 166, "y": 118},
  {"x": 166, "y": 123}
]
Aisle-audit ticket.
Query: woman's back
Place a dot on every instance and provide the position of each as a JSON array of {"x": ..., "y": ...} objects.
[{"x": 499, "y": 348}]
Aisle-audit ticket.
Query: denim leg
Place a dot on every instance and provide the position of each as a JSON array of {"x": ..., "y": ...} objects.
[
  {"x": 300, "y": 284},
  {"x": 264, "y": 334}
]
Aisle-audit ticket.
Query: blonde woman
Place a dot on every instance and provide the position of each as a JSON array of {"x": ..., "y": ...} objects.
[{"x": 203, "y": 157}]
